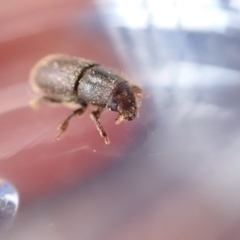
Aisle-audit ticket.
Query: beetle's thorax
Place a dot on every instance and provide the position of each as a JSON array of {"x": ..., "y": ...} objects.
[{"x": 97, "y": 85}]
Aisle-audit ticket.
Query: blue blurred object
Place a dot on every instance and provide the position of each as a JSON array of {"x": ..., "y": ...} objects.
[{"x": 9, "y": 201}]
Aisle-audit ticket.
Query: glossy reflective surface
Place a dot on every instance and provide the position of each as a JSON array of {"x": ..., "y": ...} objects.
[
  {"x": 9, "y": 201},
  {"x": 173, "y": 173}
]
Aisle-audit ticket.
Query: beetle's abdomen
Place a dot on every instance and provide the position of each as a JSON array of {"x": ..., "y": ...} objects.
[
  {"x": 55, "y": 76},
  {"x": 97, "y": 85}
]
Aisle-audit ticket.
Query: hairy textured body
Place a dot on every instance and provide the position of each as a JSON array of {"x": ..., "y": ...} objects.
[{"x": 67, "y": 79}]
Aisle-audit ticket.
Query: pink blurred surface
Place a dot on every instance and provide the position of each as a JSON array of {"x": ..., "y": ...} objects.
[
  {"x": 171, "y": 174},
  {"x": 30, "y": 157}
]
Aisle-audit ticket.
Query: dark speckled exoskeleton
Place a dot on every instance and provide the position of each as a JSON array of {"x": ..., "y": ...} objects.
[{"x": 66, "y": 79}]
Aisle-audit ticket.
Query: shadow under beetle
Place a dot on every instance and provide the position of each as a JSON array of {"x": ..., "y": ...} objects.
[{"x": 67, "y": 79}]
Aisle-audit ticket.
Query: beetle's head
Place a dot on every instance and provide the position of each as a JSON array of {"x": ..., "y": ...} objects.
[{"x": 123, "y": 101}]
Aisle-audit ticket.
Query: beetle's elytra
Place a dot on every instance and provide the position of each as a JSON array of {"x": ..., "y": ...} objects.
[{"x": 66, "y": 79}]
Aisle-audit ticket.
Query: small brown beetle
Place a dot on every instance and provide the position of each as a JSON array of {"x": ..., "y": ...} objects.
[{"x": 67, "y": 79}]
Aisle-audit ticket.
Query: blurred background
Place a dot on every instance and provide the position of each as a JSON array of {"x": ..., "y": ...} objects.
[{"x": 172, "y": 173}]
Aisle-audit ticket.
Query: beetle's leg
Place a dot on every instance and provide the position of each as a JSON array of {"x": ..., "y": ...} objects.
[
  {"x": 35, "y": 103},
  {"x": 95, "y": 115},
  {"x": 119, "y": 119},
  {"x": 137, "y": 91},
  {"x": 63, "y": 127}
]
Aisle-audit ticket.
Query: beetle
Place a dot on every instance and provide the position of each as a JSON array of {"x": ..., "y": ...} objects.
[{"x": 65, "y": 79}]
